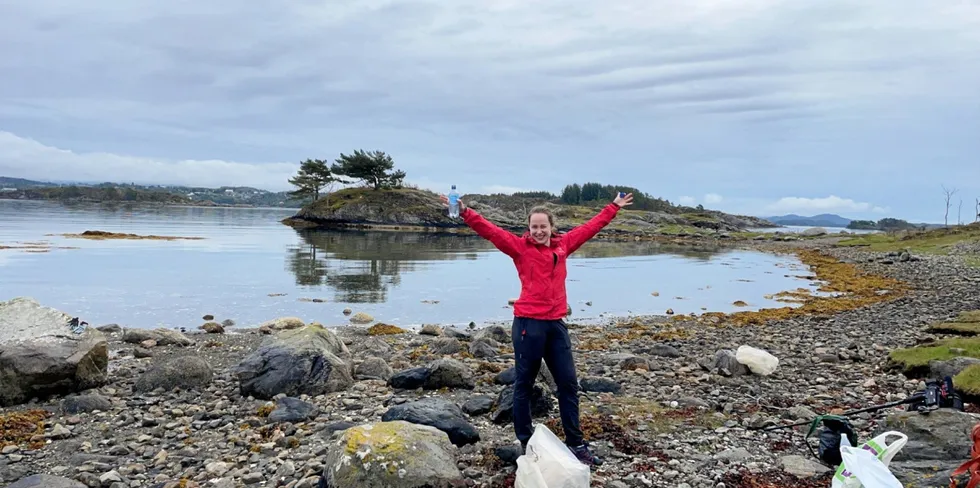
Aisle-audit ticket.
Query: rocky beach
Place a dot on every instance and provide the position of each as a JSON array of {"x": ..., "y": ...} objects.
[{"x": 664, "y": 400}]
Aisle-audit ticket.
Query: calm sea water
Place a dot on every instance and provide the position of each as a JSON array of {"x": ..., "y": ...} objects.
[{"x": 250, "y": 268}]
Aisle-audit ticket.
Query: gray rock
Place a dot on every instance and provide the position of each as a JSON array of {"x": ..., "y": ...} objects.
[
  {"x": 109, "y": 329},
  {"x": 456, "y": 334},
  {"x": 600, "y": 385},
  {"x": 664, "y": 350},
  {"x": 929, "y": 473},
  {"x": 800, "y": 412},
  {"x": 294, "y": 410},
  {"x": 163, "y": 337},
  {"x": 438, "y": 413},
  {"x": 541, "y": 404},
  {"x": 495, "y": 332},
  {"x": 449, "y": 373},
  {"x": 737, "y": 455},
  {"x": 310, "y": 360},
  {"x": 506, "y": 377},
  {"x": 481, "y": 349},
  {"x": 941, "y": 435},
  {"x": 633, "y": 363},
  {"x": 373, "y": 368},
  {"x": 423, "y": 456},
  {"x": 410, "y": 379},
  {"x": 725, "y": 363},
  {"x": 802, "y": 467},
  {"x": 431, "y": 330},
  {"x": 46, "y": 481},
  {"x": 951, "y": 368},
  {"x": 373, "y": 347},
  {"x": 446, "y": 346},
  {"x": 52, "y": 366},
  {"x": 85, "y": 403},
  {"x": 24, "y": 319},
  {"x": 185, "y": 372},
  {"x": 478, "y": 405}
]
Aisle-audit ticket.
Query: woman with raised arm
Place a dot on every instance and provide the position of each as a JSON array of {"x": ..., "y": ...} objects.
[{"x": 539, "y": 331}]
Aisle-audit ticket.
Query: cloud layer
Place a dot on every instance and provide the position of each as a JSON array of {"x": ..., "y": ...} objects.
[{"x": 753, "y": 99}]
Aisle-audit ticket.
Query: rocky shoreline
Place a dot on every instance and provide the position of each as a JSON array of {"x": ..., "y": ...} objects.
[{"x": 664, "y": 401}]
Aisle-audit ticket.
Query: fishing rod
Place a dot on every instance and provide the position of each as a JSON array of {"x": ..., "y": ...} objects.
[{"x": 936, "y": 395}]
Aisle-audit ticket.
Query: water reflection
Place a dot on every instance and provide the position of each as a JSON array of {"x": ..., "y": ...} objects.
[{"x": 362, "y": 266}]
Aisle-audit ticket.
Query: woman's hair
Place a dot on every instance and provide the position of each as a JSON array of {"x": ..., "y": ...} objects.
[{"x": 542, "y": 210}]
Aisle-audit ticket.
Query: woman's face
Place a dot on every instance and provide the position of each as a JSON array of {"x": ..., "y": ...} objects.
[{"x": 540, "y": 228}]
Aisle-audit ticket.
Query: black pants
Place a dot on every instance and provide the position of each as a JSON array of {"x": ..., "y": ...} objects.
[{"x": 535, "y": 340}]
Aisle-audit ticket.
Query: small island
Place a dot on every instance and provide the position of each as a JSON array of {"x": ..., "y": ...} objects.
[{"x": 384, "y": 202}]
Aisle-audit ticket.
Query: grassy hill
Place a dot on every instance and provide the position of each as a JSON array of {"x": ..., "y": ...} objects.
[
  {"x": 21, "y": 183},
  {"x": 17, "y": 188},
  {"x": 413, "y": 209},
  {"x": 72, "y": 193}
]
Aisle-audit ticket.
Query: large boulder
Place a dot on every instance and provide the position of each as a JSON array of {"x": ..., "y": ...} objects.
[
  {"x": 52, "y": 365},
  {"x": 311, "y": 360},
  {"x": 438, "y": 413},
  {"x": 943, "y": 434},
  {"x": 391, "y": 455},
  {"x": 938, "y": 443},
  {"x": 185, "y": 372},
  {"x": 24, "y": 319},
  {"x": 162, "y": 337}
]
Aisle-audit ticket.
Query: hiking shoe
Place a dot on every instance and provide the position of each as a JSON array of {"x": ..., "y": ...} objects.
[{"x": 585, "y": 456}]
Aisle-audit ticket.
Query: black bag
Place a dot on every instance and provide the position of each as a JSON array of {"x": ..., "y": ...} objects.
[{"x": 830, "y": 438}]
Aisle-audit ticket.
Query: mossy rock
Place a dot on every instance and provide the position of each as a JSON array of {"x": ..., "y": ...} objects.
[
  {"x": 385, "y": 329},
  {"x": 396, "y": 454},
  {"x": 915, "y": 360},
  {"x": 956, "y": 328}
]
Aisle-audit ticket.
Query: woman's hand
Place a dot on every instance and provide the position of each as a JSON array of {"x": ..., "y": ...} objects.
[
  {"x": 445, "y": 203},
  {"x": 624, "y": 201}
]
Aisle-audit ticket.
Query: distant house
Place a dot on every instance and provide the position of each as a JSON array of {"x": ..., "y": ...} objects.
[
  {"x": 8, "y": 189},
  {"x": 229, "y": 192}
]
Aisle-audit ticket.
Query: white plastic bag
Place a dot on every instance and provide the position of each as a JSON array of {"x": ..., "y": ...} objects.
[
  {"x": 759, "y": 362},
  {"x": 548, "y": 463},
  {"x": 867, "y": 465}
]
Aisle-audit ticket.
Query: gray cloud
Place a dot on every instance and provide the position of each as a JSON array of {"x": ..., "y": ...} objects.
[{"x": 755, "y": 100}]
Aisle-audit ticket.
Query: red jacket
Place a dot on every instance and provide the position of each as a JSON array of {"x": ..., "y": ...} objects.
[{"x": 541, "y": 268}]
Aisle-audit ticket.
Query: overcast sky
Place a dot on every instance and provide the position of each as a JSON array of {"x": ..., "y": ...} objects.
[{"x": 863, "y": 108}]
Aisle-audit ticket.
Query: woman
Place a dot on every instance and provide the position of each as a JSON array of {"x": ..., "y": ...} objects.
[{"x": 539, "y": 331}]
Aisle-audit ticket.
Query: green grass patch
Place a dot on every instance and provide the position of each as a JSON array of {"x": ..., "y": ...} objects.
[
  {"x": 960, "y": 328},
  {"x": 968, "y": 381},
  {"x": 973, "y": 261},
  {"x": 917, "y": 358},
  {"x": 677, "y": 229},
  {"x": 970, "y": 316},
  {"x": 927, "y": 242}
]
